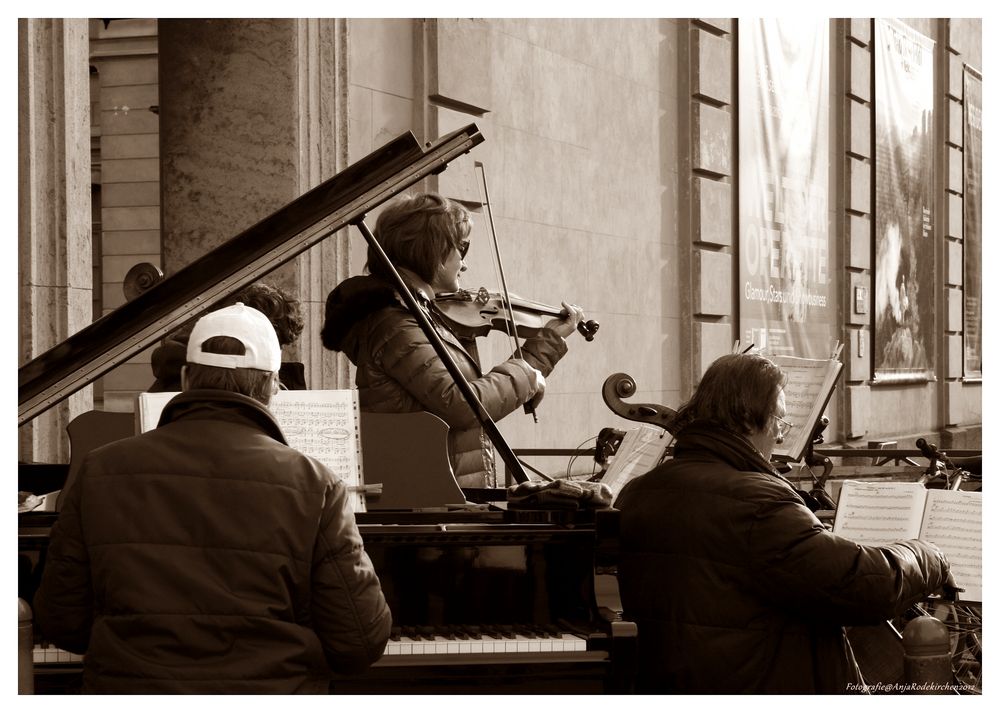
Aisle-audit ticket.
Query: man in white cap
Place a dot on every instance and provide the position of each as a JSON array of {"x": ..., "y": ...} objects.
[{"x": 207, "y": 555}]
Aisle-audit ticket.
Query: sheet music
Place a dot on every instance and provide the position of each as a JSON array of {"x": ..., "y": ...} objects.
[
  {"x": 641, "y": 450},
  {"x": 149, "y": 406},
  {"x": 809, "y": 382},
  {"x": 879, "y": 513},
  {"x": 953, "y": 520},
  {"x": 322, "y": 423}
]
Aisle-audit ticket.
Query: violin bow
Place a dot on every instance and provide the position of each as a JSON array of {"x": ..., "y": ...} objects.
[{"x": 485, "y": 197}]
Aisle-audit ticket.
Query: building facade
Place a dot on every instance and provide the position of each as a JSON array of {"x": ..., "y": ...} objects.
[{"x": 650, "y": 170}]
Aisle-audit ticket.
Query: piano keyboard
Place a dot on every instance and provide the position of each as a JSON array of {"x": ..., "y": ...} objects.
[
  {"x": 47, "y": 653},
  {"x": 410, "y": 641}
]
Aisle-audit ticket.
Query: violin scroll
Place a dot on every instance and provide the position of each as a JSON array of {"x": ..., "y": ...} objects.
[{"x": 620, "y": 386}]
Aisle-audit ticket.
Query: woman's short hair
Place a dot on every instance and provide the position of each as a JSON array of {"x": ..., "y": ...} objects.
[
  {"x": 416, "y": 232},
  {"x": 738, "y": 392},
  {"x": 255, "y": 383}
]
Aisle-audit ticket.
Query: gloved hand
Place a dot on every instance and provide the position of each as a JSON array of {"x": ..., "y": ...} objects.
[{"x": 950, "y": 588}]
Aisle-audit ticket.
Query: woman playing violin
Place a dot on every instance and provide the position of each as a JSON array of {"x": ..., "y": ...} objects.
[{"x": 426, "y": 236}]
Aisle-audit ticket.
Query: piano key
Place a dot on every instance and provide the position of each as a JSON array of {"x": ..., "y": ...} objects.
[
  {"x": 47, "y": 653},
  {"x": 542, "y": 632},
  {"x": 551, "y": 631},
  {"x": 426, "y": 632},
  {"x": 499, "y": 639}
]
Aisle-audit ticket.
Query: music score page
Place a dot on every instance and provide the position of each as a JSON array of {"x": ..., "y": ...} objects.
[
  {"x": 641, "y": 450},
  {"x": 807, "y": 391},
  {"x": 323, "y": 423},
  {"x": 881, "y": 513},
  {"x": 953, "y": 520}
]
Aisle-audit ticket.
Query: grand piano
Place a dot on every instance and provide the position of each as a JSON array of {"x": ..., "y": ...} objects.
[{"x": 484, "y": 601}]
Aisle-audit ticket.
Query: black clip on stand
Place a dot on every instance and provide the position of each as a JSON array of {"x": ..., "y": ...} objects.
[{"x": 812, "y": 459}]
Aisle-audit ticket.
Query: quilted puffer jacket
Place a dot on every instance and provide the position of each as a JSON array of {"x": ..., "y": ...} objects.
[
  {"x": 398, "y": 370},
  {"x": 736, "y": 587},
  {"x": 206, "y": 556}
]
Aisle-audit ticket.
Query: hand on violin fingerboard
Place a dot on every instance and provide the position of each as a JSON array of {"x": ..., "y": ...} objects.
[{"x": 566, "y": 325}]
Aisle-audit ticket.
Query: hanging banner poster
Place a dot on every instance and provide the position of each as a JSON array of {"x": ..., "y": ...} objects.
[
  {"x": 787, "y": 298},
  {"x": 904, "y": 239},
  {"x": 973, "y": 224}
]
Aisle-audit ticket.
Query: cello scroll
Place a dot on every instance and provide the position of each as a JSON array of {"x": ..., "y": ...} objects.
[{"x": 620, "y": 386}]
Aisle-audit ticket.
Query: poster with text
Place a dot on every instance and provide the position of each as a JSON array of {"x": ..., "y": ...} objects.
[
  {"x": 787, "y": 297},
  {"x": 904, "y": 238},
  {"x": 973, "y": 230}
]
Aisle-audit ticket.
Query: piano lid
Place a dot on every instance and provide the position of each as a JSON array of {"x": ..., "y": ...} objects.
[{"x": 337, "y": 202}]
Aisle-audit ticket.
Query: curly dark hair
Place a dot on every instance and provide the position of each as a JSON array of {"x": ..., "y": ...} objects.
[{"x": 284, "y": 311}]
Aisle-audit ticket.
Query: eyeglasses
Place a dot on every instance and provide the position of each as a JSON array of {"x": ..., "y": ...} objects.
[{"x": 783, "y": 426}]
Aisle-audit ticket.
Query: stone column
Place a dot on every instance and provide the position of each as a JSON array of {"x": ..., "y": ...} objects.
[
  {"x": 54, "y": 212},
  {"x": 323, "y": 129},
  {"x": 252, "y": 114}
]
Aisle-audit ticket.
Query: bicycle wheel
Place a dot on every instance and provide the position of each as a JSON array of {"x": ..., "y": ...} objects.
[{"x": 965, "y": 629}]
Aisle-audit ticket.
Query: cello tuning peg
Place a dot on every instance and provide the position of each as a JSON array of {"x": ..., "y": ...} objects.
[{"x": 624, "y": 387}]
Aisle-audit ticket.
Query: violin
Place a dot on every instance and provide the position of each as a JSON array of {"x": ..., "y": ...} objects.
[{"x": 476, "y": 314}]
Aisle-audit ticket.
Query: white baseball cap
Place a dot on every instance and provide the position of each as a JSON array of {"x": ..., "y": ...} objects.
[{"x": 245, "y": 324}]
